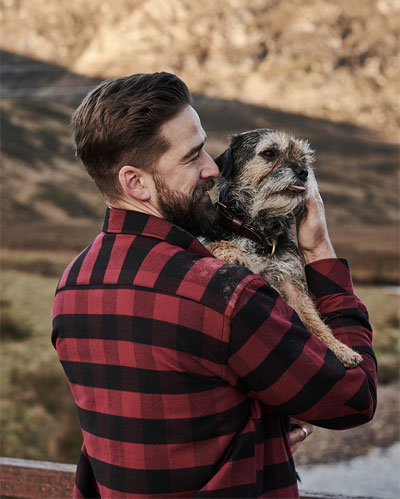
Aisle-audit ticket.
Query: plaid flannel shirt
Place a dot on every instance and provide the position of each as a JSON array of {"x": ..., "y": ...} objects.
[{"x": 185, "y": 369}]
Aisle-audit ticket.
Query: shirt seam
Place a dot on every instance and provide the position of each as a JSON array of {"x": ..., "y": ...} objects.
[{"x": 227, "y": 317}]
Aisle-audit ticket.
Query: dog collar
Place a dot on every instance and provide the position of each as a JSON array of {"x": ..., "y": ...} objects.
[{"x": 236, "y": 225}]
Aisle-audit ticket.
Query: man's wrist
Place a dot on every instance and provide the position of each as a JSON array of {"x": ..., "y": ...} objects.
[{"x": 321, "y": 252}]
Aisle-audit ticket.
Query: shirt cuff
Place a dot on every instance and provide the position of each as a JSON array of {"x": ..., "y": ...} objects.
[{"x": 329, "y": 276}]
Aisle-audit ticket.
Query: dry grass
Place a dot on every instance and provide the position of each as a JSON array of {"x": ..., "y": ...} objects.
[
  {"x": 384, "y": 310},
  {"x": 38, "y": 415}
]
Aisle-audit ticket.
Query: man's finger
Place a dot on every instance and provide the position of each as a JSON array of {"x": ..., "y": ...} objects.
[{"x": 299, "y": 433}]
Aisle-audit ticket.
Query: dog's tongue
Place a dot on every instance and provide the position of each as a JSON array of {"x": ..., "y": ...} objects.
[{"x": 297, "y": 188}]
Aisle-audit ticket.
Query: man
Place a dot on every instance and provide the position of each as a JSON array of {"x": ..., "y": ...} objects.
[{"x": 186, "y": 370}]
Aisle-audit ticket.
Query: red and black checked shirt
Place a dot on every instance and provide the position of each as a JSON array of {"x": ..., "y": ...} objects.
[{"x": 185, "y": 369}]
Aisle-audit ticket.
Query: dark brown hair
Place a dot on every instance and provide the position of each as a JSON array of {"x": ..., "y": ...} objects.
[{"x": 118, "y": 123}]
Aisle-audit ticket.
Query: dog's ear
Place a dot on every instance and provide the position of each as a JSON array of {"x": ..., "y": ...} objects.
[{"x": 225, "y": 163}]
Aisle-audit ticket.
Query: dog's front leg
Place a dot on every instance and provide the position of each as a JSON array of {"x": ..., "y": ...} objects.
[
  {"x": 304, "y": 306},
  {"x": 227, "y": 251}
]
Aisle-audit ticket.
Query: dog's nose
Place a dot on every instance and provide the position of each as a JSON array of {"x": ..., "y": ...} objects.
[{"x": 299, "y": 170}]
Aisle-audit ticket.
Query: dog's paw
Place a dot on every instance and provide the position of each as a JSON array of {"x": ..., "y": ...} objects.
[
  {"x": 225, "y": 250},
  {"x": 348, "y": 357}
]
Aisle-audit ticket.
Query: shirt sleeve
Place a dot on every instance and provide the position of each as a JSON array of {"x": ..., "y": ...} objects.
[{"x": 274, "y": 359}]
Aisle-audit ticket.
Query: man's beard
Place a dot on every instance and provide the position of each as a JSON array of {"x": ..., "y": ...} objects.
[{"x": 192, "y": 213}]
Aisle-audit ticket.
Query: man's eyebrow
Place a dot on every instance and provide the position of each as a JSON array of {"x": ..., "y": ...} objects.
[{"x": 193, "y": 151}]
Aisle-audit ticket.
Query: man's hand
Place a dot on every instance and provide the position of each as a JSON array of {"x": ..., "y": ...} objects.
[
  {"x": 312, "y": 231},
  {"x": 297, "y": 435}
]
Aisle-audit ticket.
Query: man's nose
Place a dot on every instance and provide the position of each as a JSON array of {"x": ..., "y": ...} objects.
[{"x": 209, "y": 167}]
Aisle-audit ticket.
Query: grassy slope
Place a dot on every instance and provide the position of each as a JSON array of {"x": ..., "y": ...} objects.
[{"x": 38, "y": 415}]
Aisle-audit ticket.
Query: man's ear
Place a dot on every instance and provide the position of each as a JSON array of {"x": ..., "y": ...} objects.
[{"x": 133, "y": 183}]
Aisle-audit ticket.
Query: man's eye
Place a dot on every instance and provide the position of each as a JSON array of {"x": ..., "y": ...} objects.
[
  {"x": 195, "y": 157},
  {"x": 270, "y": 154}
]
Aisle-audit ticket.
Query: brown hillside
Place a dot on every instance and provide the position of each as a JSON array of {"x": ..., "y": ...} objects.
[
  {"x": 334, "y": 60},
  {"x": 48, "y": 200}
]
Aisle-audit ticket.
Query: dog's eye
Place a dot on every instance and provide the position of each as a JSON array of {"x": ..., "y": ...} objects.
[{"x": 270, "y": 154}]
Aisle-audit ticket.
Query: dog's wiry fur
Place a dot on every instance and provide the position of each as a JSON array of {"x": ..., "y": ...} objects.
[{"x": 264, "y": 165}]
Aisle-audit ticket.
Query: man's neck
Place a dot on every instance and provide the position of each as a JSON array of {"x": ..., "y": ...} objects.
[{"x": 135, "y": 205}]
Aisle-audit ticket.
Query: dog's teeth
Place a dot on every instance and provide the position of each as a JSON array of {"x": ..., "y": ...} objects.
[{"x": 297, "y": 188}]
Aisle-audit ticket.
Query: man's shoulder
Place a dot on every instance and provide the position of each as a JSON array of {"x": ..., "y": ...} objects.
[
  {"x": 195, "y": 276},
  {"x": 212, "y": 281},
  {"x": 131, "y": 262}
]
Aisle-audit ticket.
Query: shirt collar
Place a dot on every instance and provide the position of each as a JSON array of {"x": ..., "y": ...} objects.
[{"x": 134, "y": 222}]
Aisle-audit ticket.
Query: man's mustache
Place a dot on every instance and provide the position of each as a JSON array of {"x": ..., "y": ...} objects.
[{"x": 201, "y": 189}]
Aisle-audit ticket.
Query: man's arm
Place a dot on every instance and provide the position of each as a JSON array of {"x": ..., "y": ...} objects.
[{"x": 275, "y": 359}]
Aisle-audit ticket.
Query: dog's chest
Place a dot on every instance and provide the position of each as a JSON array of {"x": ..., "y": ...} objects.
[{"x": 284, "y": 264}]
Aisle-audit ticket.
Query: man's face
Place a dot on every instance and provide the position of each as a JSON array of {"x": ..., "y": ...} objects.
[{"x": 184, "y": 175}]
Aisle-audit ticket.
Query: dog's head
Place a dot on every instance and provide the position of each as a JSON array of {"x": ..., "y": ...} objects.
[{"x": 266, "y": 169}]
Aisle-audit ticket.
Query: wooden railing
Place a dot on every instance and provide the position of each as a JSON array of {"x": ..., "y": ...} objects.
[
  {"x": 35, "y": 479},
  {"x": 21, "y": 478}
]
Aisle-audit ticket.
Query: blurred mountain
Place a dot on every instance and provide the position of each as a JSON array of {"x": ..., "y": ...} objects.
[{"x": 335, "y": 60}]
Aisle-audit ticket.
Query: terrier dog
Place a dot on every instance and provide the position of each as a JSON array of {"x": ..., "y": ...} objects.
[{"x": 266, "y": 178}]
